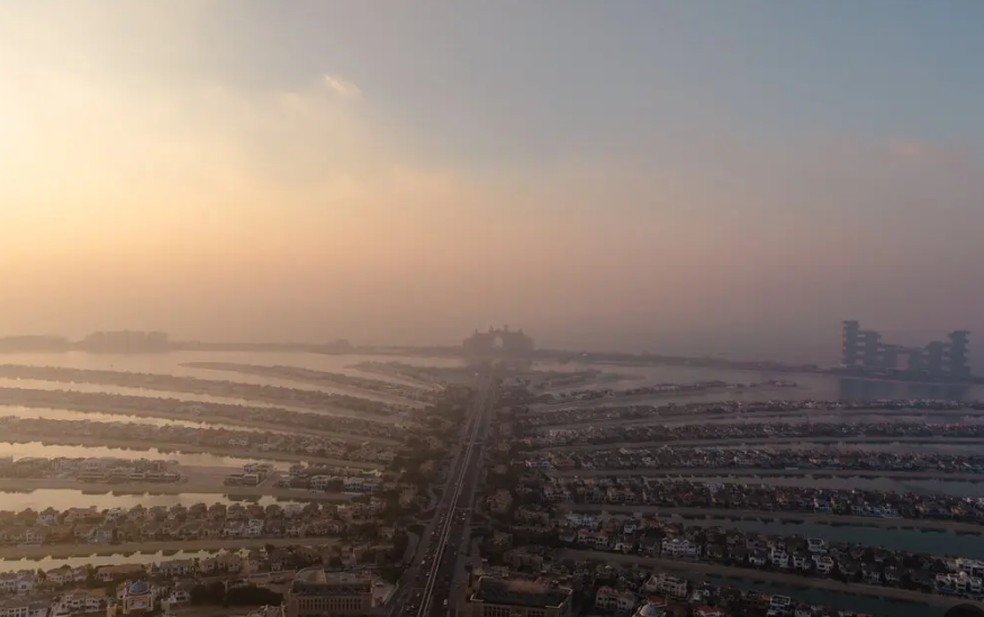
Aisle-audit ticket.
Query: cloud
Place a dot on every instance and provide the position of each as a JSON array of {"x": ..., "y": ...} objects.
[
  {"x": 97, "y": 162},
  {"x": 292, "y": 209},
  {"x": 342, "y": 87}
]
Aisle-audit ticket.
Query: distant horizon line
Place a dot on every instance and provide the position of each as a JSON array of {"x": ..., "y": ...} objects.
[{"x": 58, "y": 342}]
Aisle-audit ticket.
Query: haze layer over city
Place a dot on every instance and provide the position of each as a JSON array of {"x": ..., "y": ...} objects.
[
  {"x": 699, "y": 178},
  {"x": 491, "y": 309}
]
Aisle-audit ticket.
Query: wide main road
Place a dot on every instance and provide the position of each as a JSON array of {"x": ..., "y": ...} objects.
[{"x": 426, "y": 585}]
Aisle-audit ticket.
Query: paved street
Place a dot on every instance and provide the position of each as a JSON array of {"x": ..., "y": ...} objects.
[{"x": 425, "y": 587}]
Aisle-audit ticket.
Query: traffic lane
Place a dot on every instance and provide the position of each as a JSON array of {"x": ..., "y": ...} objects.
[
  {"x": 465, "y": 475},
  {"x": 426, "y": 554},
  {"x": 449, "y": 566}
]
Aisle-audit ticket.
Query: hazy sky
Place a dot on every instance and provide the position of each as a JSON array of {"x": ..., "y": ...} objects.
[{"x": 728, "y": 177}]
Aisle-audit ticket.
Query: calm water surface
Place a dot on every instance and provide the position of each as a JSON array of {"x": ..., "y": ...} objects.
[
  {"x": 171, "y": 363},
  {"x": 41, "y": 384},
  {"x": 854, "y": 417},
  {"x": 916, "y": 541},
  {"x": 939, "y": 448},
  {"x": 69, "y": 414},
  {"x": 13, "y": 565},
  {"x": 811, "y": 385},
  {"x": 833, "y": 599},
  {"x": 952, "y": 488},
  {"x": 62, "y": 499},
  {"x": 36, "y": 448}
]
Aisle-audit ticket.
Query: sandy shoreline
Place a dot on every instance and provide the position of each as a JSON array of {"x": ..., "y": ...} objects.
[
  {"x": 307, "y": 376},
  {"x": 177, "y": 488},
  {"x": 62, "y": 551},
  {"x": 724, "y": 472},
  {"x": 722, "y": 516},
  {"x": 758, "y": 416},
  {"x": 614, "y": 445},
  {"x": 136, "y": 446},
  {"x": 699, "y": 569},
  {"x": 633, "y": 399},
  {"x": 229, "y": 421},
  {"x": 193, "y": 385}
]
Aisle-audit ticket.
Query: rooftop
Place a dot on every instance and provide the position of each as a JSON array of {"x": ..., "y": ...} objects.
[
  {"x": 137, "y": 588},
  {"x": 317, "y": 582},
  {"x": 520, "y": 593}
]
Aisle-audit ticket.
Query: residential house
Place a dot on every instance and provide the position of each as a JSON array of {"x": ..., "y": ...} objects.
[
  {"x": 610, "y": 599},
  {"x": 20, "y": 583},
  {"x": 823, "y": 563},
  {"x": 77, "y": 602},
  {"x": 181, "y": 593},
  {"x": 118, "y": 572},
  {"x": 100, "y": 535},
  {"x": 779, "y": 558},
  {"x": 176, "y": 567},
  {"x": 34, "y": 535},
  {"x": 802, "y": 561},
  {"x": 254, "y": 528},
  {"x": 59, "y": 576},
  {"x": 678, "y": 548},
  {"x": 664, "y": 584},
  {"x": 779, "y": 605},
  {"x": 24, "y": 607}
]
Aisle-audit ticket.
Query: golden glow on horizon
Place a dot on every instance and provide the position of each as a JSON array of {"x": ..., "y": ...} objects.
[{"x": 186, "y": 203}]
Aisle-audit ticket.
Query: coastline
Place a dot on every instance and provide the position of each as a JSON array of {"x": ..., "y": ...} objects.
[
  {"x": 611, "y": 445},
  {"x": 826, "y": 584},
  {"x": 64, "y": 551},
  {"x": 726, "y": 472},
  {"x": 137, "y": 446},
  {"x": 199, "y": 484},
  {"x": 73, "y": 404},
  {"x": 695, "y": 515}
]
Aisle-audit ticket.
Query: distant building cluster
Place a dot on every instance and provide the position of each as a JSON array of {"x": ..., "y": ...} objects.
[
  {"x": 125, "y": 341},
  {"x": 865, "y": 349},
  {"x": 498, "y": 341}
]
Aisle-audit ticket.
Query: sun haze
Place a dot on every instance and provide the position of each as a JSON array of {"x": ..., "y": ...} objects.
[{"x": 725, "y": 178}]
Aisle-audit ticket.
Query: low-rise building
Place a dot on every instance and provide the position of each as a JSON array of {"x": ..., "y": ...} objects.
[
  {"x": 176, "y": 567},
  {"x": 316, "y": 593},
  {"x": 118, "y": 572},
  {"x": 20, "y": 583},
  {"x": 617, "y": 601},
  {"x": 779, "y": 605},
  {"x": 823, "y": 563},
  {"x": 678, "y": 548},
  {"x": 497, "y": 597},
  {"x": 667, "y": 585},
  {"x": 23, "y": 607},
  {"x": 78, "y": 602}
]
